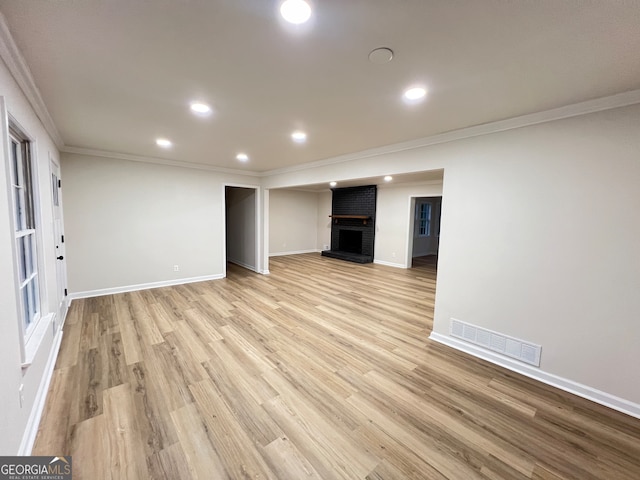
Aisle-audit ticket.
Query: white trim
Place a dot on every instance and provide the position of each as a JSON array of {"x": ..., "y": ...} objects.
[
  {"x": 624, "y": 99},
  {"x": 611, "y": 102},
  {"x": 584, "y": 391},
  {"x": 155, "y": 160},
  {"x": 412, "y": 184},
  {"x": 390, "y": 264},
  {"x": 33, "y": 423},
  {"x": 141, "y": 286},
  {"x": 294, "y": 252},
  {"x": 36, "y": 335},
  {"x": 257, "y": 226},
  {"x": 265, "y": 272},
  {"x": 15, "y": 62}
]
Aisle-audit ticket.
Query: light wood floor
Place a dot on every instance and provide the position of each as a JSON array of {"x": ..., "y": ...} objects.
[{"x": 321, "y": 370}]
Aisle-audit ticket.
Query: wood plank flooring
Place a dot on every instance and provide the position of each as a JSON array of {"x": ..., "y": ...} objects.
[{"x": 321, "y": 370}]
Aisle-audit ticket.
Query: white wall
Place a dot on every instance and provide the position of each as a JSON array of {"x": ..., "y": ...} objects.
[
  {"x": 393, "y": 216},
  {"x": 557, "y": 263},
  {"x": 293, "y": 217},
  {"x": 128, "y": 223},
  {"x": 241, "y": 226},
  {"x": 14, "y": 419}
]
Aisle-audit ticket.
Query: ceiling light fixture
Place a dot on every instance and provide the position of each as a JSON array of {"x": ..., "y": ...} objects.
[
  {"x": 299, "y": 136},
  {"x": 200, "y": 108},
  {"x": 164, "y": 143},
  {"x": 333, "y": 184},
  {"x": 295, "y": 11},
  {"x": 388, "y": 178},
  {"x": 243, "y": 157},
  {"x": 414, "y": 94}
]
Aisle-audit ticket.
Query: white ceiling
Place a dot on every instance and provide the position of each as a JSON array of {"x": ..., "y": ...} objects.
[{"x": 116, "y": 74}]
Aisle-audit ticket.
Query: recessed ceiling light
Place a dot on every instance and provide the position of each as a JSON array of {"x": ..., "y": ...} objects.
[
  {"x": 299, "y": 136},
  {"x": 164, "y": 143},
  {"x": 200, "y": 108},
  {"x": 415, "y": 94},
  {"x": 388, "y": 178},
  {"x": 333, "y": 184},
  {"x": 295, "y": 11},
  {"x": 243, "y": 157}
]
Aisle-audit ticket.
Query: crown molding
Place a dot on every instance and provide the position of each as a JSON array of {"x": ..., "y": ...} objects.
[
  {"x": 19, "y": 69},
  {"x": 385, "y": 185},
  {"x": 155, "y": 160},
  {"x": 624, "y": 99}
]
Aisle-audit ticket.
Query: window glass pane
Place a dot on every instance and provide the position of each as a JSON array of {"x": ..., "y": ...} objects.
[
  {"x": 425, "y": 219},
  {"x": 30, "y": 296},
  {"x": 25, "y": 305},
  {"x": 34, "y": 298},
  {"x": 20, "y": 217},
  {"x": 15, "y": 159},
  {"x": 54, "y": 186},
  {"x": 29, "y": 254},
  {"x": 22, "y": 260}
]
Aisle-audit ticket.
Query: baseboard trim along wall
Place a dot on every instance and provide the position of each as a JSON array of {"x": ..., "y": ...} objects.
[
  {"x": 143, "y": 286},
  {"x": 29, "y": 436},
  {"x": 584, "y": 391},
  {"x": 294, "y": 252},
  {"x": 390, "y": 264}
]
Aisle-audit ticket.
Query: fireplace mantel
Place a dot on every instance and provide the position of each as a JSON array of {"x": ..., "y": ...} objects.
[{"x": 364, "y": 218}]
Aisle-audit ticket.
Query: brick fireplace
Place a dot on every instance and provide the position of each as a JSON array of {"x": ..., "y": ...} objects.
[{"x": 353, "y": 212}]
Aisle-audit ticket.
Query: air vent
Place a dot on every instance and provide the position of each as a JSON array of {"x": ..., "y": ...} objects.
[{"x": 497, "y": 342}]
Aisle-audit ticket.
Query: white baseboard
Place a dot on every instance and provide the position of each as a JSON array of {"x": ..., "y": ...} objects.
[
  {"x": 390, "y": 264},
  {"x": 294, "y": 252},
  {"x": 142, "y": 286},
  {"x": 31, "y": 430},
  {"x": 584, "y": 391}
]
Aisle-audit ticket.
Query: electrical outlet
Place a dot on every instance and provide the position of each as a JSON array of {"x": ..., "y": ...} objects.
[
  {"x": 393, "y": 254},
  {"x": 21, "y": 394},
  {"x": 176, "y": 268},
  {"x": 326, "y": 247}
]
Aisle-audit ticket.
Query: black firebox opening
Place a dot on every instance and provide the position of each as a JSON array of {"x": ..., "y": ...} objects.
[{"x": 350, "y": 241}]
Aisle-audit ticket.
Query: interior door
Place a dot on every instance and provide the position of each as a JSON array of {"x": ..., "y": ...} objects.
[{"x": 58, "y": 239}]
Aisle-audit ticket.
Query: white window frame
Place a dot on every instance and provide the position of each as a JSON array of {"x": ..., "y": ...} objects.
[
  {"x": 23, "y": 184},
  {"x": 423, "y": 218}
]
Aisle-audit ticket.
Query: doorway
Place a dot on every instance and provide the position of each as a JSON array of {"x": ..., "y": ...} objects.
[
  {"x": 241, "y": 226},
  {"x": 58, "y": 241},
  {"x": 425, "y": 230}
]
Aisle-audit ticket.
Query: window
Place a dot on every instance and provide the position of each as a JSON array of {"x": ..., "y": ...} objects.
[
  {"x": 22, "y": 186},
  {"x": 424, "y": 219}
]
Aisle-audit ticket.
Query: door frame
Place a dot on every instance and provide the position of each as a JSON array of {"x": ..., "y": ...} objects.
[
  {"x": 59, "y": 247},
  {"x": 412, "y": 220},
  {"x": 257, "y": 219}
]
